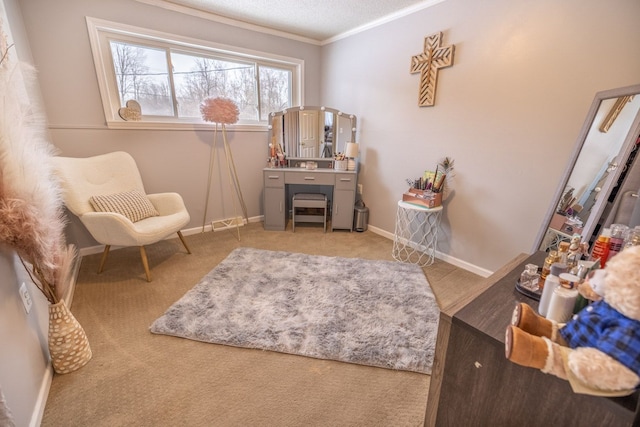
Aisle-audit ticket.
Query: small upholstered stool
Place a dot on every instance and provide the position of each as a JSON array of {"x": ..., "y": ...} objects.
[{"x": 309, "y": 200}]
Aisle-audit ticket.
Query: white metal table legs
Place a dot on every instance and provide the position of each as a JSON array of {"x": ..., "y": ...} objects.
[{"x": 416, "y": 235}]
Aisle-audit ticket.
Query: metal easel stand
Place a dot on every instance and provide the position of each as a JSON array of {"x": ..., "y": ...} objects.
[{"x": 234, "y": 184}]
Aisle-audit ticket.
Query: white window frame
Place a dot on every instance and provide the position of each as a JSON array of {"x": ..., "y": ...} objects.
[{"x": 101, "y": 32}]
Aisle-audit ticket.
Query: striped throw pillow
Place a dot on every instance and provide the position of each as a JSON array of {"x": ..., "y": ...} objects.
[{"x": 133, "y": 204}]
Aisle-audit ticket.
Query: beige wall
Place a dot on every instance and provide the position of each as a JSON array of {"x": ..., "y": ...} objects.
[
  {"x": 25, "y": 371},
  {"x": 168, "y": 160},
  {"x": 508, "y": 111}
]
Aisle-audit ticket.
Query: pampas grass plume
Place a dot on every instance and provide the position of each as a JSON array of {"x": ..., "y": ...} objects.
[{"x": 31, "y": 207}]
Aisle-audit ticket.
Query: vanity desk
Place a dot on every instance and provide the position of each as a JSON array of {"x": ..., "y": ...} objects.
[
  {"x": 309, "y": 135},
  {"x": 281, "y": 183},
  {"x": 474, "y": 384}
]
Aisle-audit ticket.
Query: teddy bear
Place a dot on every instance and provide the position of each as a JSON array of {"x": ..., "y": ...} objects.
[
  {"x": 577, "y": 248},
  {"x": 598, "y": 350}
]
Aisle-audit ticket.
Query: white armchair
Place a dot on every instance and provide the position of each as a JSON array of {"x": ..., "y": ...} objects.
[{"x": 92, "y": 182}]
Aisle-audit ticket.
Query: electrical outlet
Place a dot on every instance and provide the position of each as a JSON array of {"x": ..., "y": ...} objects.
[
  {"x": 360, "y": 188},
  {"x": 26, "y": 297}
]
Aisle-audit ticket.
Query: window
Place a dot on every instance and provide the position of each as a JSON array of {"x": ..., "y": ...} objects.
[{"x": 169, "y": 76}]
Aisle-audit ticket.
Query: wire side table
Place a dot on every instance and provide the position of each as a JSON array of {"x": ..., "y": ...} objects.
[
  {"x": 416, "y": 235},
  {"x": 553, "y": 238}
]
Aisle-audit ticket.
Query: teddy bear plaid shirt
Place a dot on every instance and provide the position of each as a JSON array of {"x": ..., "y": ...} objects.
[{"x": 602, "y": 327}]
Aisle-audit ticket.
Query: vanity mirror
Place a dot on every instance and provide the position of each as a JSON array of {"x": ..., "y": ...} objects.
[
  {"x": 311, "y": 133},
  {"x": 600, "y": 169}
]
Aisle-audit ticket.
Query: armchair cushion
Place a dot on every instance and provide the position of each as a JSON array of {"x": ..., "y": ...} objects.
[{"x": 133, "y": 204}]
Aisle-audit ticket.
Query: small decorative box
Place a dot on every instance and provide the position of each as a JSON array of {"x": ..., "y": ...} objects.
[
  {"x": 565, "y": 224},
  {"x": 557, "y": 221},
  {"x": 570, "y": 227},
  {"x": 424, "y": 198}
]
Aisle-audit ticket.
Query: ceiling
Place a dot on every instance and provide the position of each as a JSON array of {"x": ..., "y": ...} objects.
[{"x": 310, "y": 20}]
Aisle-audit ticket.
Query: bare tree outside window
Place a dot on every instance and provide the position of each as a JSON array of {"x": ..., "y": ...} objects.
[
  {"x": 197, "y": 78},
  {"x": 128, "y": 61},
  {"x": 275, "y": 92},
  {"x": 144, "y": 74}
]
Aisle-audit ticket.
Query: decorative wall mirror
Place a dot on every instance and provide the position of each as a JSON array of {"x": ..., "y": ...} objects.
[
  {"x": 311, "y": 133},
  {"x": 601, "y": 166}
]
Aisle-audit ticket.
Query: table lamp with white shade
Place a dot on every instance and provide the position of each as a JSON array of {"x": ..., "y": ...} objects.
[{"x": 351, "y": 152}]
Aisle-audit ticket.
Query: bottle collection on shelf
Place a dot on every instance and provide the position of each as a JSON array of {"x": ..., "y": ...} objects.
[
  {"x": 564, "y": 269},
  {"x": 277, "y": 158},
  {"x": 566, "y": 219}
]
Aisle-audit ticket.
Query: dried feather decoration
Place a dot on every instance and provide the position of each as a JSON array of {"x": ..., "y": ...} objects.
[
  {"x": 219, "y": 110},
  {"x": 31, "y": 208}
]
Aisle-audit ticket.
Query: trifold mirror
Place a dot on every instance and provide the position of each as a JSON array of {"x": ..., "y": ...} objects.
[
  {"x": 600, "y": 184},
  {"x": 311, "y": 133}
]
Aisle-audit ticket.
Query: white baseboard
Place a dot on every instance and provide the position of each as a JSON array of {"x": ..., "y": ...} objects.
[
  {"x": 194, "y": 230},
  {"x": 441, "y": 256},
  {"x": 90, "y": 250},
  {"x": 41, "y": 401},
  {"x": 38, "y": 412}
]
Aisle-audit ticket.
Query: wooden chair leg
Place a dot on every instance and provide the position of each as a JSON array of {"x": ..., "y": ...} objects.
[
  {"x": 104, "y": 258},
  {"x": 184, "y": 242},
  {"x": 145, "y": 263}
]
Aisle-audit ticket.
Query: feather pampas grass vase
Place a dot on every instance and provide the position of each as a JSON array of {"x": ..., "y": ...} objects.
[
  {"x": 32, "y": 218},
  {"x": 68, "y": 343}
]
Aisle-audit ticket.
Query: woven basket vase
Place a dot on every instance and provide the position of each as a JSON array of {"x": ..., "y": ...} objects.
[{"x": 68, "y": 344}]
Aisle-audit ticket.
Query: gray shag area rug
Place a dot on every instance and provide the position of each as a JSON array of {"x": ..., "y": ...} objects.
[{"x": 377, "y": 313}]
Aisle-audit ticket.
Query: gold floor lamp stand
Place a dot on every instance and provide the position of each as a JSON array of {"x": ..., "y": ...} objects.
[{"x": 234, "y": 183}]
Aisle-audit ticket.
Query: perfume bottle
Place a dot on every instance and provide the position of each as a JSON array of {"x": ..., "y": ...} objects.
[
  {"x": 581, "y": 271},
  {"x": 550, "y": 284},
  {"x": 600, "y": 250},
  {"x": 546, "y": 267},
  {"x": 563, "y": 299},
  {"x": 616, "y": 241},
  {"x": 529, "y": 279},
  {"x": 633, "y": 237},
  {"x": 563, "y": 251}
]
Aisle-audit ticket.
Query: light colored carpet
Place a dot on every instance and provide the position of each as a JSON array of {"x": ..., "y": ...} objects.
[
  {"x": 370, "y": 312},
  {"x": 141, "y": 379}
]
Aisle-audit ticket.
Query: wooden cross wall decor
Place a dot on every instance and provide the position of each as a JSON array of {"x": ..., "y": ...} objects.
[{"x": 428, "y": 63}]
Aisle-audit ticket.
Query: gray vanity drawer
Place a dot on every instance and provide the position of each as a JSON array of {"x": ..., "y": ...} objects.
[
  {"x": 345, "y": 181},
  {"x": 274, "y": 179},
  {"x": 317, "y": 178}
]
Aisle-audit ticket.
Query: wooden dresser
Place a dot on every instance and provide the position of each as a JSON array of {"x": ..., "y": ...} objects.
[{"x": 474, "y": 384}]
